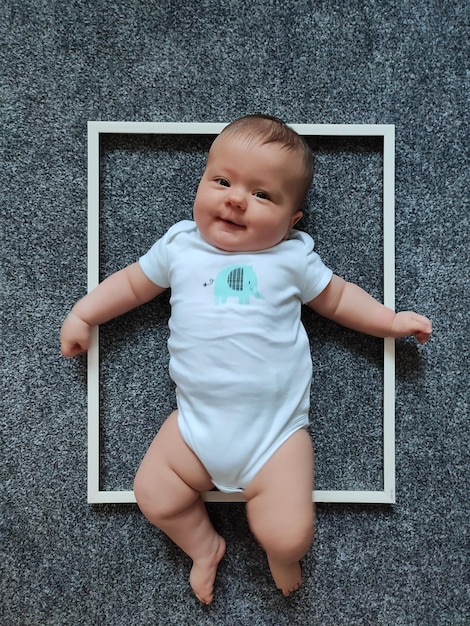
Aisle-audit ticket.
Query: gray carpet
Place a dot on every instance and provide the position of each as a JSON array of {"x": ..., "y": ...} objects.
[{"x": 64, "y": 562}]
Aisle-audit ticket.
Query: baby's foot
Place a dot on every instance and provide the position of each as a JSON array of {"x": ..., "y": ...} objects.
[
  {"x": 288, "y": 578},
  {"x": 203, "y": 572}
]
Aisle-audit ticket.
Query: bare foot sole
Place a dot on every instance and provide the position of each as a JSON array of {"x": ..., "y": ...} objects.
[
  {"x": 203, "y": 573},
  {"x": 288, "y": 578}
]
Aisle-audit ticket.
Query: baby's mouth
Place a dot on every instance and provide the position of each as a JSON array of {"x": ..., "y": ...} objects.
[{"x": 232, "y": 224}]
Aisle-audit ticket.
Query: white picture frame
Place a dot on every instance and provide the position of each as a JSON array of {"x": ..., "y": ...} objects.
[{"x": 387, "y": 131}]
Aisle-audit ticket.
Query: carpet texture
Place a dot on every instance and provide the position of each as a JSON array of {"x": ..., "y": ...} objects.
[{"x": 64, "y": 562}]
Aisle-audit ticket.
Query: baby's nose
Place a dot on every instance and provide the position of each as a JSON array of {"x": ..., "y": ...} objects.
[{"x": 236, "y": 198}]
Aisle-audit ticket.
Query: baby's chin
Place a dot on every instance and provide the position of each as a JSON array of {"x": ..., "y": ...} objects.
[
  {"x": 225, "y": 240},
  {"x": 225, "y": 246},
  {"x": 236, "y": 247},
  {"x": 231, "y": 237}
]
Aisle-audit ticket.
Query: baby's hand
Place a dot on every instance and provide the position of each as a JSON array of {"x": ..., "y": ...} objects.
[
  {"x": 74, "y": 336},
  {"x": 410, "y": 323}
]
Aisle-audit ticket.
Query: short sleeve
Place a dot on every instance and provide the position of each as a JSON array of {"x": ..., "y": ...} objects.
[
  {"x": 156, "y": 262},
  {"x": 317, "y": 274}
]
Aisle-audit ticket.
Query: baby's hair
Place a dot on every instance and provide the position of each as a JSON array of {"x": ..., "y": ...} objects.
[{"x": 270, "y": 129}]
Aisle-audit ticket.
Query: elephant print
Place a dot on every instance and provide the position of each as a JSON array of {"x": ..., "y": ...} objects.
[{"x": 236, "y": 281}]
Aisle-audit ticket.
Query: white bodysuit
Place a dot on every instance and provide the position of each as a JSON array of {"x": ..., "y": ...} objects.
[{"x": 239, "y": 354}]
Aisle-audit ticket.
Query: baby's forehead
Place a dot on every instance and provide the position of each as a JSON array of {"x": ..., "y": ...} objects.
[
  {"x": 243, "y": 140},
  {"x": 243, "y": 136}
]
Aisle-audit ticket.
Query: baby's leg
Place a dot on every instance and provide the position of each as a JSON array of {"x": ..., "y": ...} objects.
[
  {"x": 280, "y": 509},
  {"x": 167, "y": 488}
]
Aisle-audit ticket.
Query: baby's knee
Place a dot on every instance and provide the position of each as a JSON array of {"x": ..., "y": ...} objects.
[
  {"x": 156, "y": 499},
  {"x": 147, "y": 498},
  {"x": 142, "y": 492},
  {"x": 295, "y": 541},
  {"x": 287, "y": 540}
]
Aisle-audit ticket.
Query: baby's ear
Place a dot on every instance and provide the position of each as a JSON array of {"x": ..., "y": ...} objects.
[{"x": 296, "y": 218}]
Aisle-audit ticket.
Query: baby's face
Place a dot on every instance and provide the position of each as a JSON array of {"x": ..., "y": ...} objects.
[{"x": 248, "y": 194}]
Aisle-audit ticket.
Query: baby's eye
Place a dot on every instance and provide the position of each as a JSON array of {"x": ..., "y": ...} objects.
[
  {"x": 222, "y": 181},
  {"x": 262, "y": 195}
]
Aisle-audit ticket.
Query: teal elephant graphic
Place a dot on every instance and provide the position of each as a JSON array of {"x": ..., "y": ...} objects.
[{"x": 236, "y": 281}]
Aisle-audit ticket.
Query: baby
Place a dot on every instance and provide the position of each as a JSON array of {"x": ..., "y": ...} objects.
[{"x": 239, "y": 354}]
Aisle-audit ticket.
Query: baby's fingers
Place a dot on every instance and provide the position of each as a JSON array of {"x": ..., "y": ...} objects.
[
  {"x": 71, "y": 349},
  {"x": 411, "y": 323},
  {"x": 423, "y": 330},
  {"x": 422, "y": 337},
  {"x": 74, "y": 336}
]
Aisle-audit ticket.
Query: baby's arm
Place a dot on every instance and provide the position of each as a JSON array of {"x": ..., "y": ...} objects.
[
  {"x": 121, "y": 292},
  {"x": 349, "y": 305}
]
